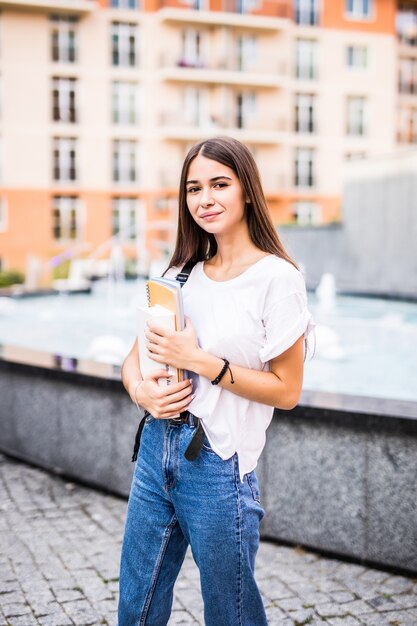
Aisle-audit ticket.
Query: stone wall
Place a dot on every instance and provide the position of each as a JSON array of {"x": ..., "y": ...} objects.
[
  {"x": 338, "y": 473},
  {"x": 373, "y": 251}
]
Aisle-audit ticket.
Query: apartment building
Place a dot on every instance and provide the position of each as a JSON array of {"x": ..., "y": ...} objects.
[{"x": 100, "y": 100}]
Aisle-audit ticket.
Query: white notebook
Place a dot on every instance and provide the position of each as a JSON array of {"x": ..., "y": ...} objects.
[{"x": 165, "y": 318}]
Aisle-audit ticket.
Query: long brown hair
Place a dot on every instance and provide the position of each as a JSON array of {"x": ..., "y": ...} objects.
[{"x": 195, "y": 243}]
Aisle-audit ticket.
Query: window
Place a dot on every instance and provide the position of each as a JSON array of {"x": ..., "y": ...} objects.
[
  {"x": 124, "y": 44},
  {"x": 65, "y": 213},
  {"x": 245, "y": 108},
  {"x": 359, "y": 9},
  {"x": 305, "y": 59},
  {"x": 356, "y": 116},
  {"x": 407, "y": 79},
  {"x": 307, "y": 213},
  {"x": 125, "y": 161},
  {"x": 304, "y": 167},
  {"x": 407, "y": 125},
  {"x": 124, "y": 4},
  {"x": 125, "y": 103},
  {"x": 357, "y": 57},
  {"x": 3, "y": 215},
  {"x": 63, "y": 100},
  {"x": 407, "y": 23},
  {"x": 124, "y": 211},
  {"x": 247, "y": 50},
  {"x": 306, "y": 12},
  {"x": 64, "y": 157},
  {"x": 197, "y": 5},
  {"x": 195, "y": 102},
  {"x": 191, "y": 49},
  {"x": 305, "y": 113},
  {"x": 64, "y": 38}
]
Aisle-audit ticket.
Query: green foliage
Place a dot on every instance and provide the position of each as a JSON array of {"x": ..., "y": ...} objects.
[
  {"x": 11, "y": 277},
  {"x": 130, "y": 268},
  {"x": 62, "y": 270}
]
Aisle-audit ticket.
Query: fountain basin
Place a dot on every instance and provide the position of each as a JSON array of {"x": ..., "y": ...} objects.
[{"x": 338, "y": 472}]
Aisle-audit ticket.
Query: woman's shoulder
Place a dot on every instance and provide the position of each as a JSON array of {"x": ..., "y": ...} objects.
[
  {"x": 282, "y": 277},
  {"x": 281, "y": 268}
]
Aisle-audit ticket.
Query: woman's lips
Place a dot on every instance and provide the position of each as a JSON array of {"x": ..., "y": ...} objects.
[{"x": 209, "y": 216}]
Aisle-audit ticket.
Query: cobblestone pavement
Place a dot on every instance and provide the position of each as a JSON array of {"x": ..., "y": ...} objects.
[{"x": 59, "y": 559}]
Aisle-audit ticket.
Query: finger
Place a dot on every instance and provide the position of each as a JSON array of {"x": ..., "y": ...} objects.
[
  {"x": 158, "y": 330},
  {"x": 174, "y": 408},
  {"x": 162, "y": 373},
  {"x": 178, "y": 396}
]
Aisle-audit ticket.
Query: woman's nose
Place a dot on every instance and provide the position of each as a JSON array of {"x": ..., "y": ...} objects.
[{"x": 206, "y": 198}]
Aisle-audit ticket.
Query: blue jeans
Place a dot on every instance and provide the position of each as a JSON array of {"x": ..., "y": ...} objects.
[{"x": 174, "y": 503}]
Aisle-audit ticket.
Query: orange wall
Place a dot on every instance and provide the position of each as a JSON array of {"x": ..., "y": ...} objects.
[
  {"x": 383, "y": 20},
  {"x": 273, "y": 8},
  {"x": 281, "y": 207},
  {"x": 30, "y": 224},
  {"x": 29, "y": 227}
]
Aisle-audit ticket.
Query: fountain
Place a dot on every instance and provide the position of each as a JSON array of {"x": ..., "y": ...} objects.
[
  {"x": 327, "y": 340},
  {"x": 326, "y": 293}
]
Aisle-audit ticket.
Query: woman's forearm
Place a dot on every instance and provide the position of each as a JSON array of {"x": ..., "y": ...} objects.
[
  {"x": 130, "y": 373},
  {"x": 265, "y": 387}
]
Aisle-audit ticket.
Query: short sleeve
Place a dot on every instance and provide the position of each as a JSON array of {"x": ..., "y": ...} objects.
[{"x": 286, "y": 316}]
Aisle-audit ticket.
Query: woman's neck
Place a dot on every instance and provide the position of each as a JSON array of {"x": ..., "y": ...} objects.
[{"x": 233, "y": 255}]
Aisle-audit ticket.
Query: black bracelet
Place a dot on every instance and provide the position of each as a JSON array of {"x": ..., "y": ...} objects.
[{"x": 225, "y": 367}]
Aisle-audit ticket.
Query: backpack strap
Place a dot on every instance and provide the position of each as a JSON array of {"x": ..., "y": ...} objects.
[{"x": 183, "y": 275}]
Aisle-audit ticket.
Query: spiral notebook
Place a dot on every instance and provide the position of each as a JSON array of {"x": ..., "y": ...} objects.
[{"x": 165, "y": 307}]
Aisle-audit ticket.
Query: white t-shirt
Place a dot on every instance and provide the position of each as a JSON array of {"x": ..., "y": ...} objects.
[{"x": 249, "y": 319}]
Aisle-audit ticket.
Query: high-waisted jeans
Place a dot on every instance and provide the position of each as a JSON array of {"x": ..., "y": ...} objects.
[{"x": 174, "y": 503}]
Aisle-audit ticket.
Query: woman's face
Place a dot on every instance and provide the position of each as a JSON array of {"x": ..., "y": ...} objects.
[{"x": 215, "y": 197}]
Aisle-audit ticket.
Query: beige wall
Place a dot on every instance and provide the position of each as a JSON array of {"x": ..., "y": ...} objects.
[{"x": 27, "y": 128}]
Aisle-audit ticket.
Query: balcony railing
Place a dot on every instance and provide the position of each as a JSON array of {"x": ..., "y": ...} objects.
[
  {"x": 275, "y": 15},
  {"x": 76, "y": 7}
]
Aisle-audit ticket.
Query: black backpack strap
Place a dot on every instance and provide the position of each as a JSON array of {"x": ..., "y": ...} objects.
[{"x": 182, "y": 277}]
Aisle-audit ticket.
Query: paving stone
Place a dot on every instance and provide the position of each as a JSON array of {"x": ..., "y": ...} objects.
[
  {"x": 406, "y": 617},
  {"x": 330, "y": 610},
  {"x": 385, "y": 603},
  {"x": 54, "y": 619},
  {"x": 406, "y": 600},
  {"x": 302, "y": 616},
  {"x": 344, "y": 621},
  {"x": 15, "y": 610},
  {"x": 357, "y": 607},
  {"x": 290, "y": 604},
  {"x": 59, "y": 558},
  {"x": 23, "y": 620}
]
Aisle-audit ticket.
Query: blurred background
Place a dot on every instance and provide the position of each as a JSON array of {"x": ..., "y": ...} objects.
[{"x": 100, "y": 101}]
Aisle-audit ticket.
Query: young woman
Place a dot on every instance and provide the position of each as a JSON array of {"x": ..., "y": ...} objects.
[{"x": 244, "y": 347}]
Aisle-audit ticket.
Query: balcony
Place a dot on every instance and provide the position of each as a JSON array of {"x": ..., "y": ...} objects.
[
  {"x": 73, "y": 7},
  {"x": 222, "y": 75},
  {"x": 255, "y": 130},
  {"x": 278, "y": 21}
]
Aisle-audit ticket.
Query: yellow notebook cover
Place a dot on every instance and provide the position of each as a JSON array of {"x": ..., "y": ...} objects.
[{"x": 168, "y": 297}]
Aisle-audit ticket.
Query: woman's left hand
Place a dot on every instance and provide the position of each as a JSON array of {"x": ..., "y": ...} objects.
[{"x": 176, "y": 348}]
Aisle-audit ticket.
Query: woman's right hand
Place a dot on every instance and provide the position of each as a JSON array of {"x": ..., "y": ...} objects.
[{"x": 161, "y": 402}]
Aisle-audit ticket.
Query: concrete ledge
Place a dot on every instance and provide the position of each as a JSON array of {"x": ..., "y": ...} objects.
[{"x": 338, "y": 473}]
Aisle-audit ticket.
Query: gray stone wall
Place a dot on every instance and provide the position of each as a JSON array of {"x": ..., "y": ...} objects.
[
  {"x": 374, "y": 250},
  {"x": 344, "y": 483},
  {"x": 336, "y": 479}
]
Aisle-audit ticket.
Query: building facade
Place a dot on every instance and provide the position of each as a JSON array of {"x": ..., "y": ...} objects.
[{"x": 100, "y": 100}]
